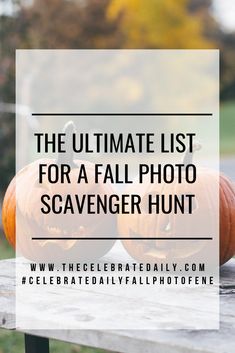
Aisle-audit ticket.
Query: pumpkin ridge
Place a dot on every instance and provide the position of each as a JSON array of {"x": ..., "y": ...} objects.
[
  {"x": 225, "y": 255},
  {"x": 230, "y": 252}
]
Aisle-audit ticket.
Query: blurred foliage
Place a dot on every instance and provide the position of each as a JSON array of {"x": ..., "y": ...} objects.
[
  {"x": 46, "y": 24},
  {"x": 223, "y": 40},
  {"x": 105, "y": 24},
  {"x": 227, "y": 66},
  {"x": 113, "y": 24},
  {"x": 67, "y": 24},
  {"x": 6, "y": 251},
  {"x": 158, "y": 24},
  {"x": 227, "y": 128},
  {"x": 7, "y": 143},
  {"x": 53, "y": 24}
]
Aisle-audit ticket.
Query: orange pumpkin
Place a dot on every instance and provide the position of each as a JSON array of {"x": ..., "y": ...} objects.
[
  {"x": 168, "y": 225},
  {"x": 31, "y": 222}
]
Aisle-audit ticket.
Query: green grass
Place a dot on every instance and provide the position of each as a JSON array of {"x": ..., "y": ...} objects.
[
  {"x": 227, "y": 128},
  {"x": 6, "y": 250},
  {"x": 13, "y": 342}
]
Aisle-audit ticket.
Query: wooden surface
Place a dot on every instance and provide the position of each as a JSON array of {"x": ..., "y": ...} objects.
[{"x": 136, "y": 341}]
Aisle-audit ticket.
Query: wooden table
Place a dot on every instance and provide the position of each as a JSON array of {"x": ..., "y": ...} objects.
[{"x": 134, "y": 341}]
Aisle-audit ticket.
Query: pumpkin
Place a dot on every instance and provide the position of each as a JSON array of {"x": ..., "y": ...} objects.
[
  {"x": 31, "y": 222},
  {"x": 168, "y": 225}
]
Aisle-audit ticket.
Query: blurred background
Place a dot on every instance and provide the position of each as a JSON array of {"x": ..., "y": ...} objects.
[{"x": 79, "y": 24}]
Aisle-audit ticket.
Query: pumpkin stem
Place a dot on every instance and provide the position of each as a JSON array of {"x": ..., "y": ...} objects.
[
  {"x": 188, "y": 157},
  {"x": 67, "y": 157}
]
